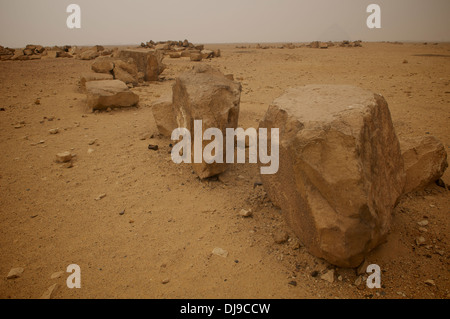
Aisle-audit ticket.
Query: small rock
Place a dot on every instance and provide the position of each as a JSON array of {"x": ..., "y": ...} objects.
[
  {"x": 420, "y": 241},
  {"x": 280, "y": 237},
  {"x": 314, "y": 274},
  {"x": 328, "y": 276},
  {"x": 63, "y": 157},
  {"x": 100, "y": 197},
  {"x": 430, "y": 282},
  {"x": 423, "y": 229},
  {"x": 122, "y": 213},
  {"x": 15, "y": 273},
  {"x": 90, "y": 151},
  {"x": 358, "y": 281},
  {"x": 92, "y": 142},
  {"x": 220, "y": 252},
  {"x": 57, "y": 275},
  {"x": 54, "y": 131},
  {"x": 153, "y": 147},
  {"x": 292, "y": 283},
  {"x": 48, "y": 293},
  {"x": 423, "y": 223},
  {"x": 246, "y": 213},
  {"x": 165, "y": 281}
]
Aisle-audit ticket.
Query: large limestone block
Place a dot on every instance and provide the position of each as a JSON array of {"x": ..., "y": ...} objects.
[
  {"x": 341, "y": 169},
  {"x": 87, "y": 77},
  {"x": 103, "y": 65},
  {"x": 425, "y": 161},
  {"x": 109, "y": 94},
  {"x": 206, "y": 94},
  {"x": 126, "y": 72},
  {"x": 164, "y": 115},
  {"x": 148, "y": 61}
]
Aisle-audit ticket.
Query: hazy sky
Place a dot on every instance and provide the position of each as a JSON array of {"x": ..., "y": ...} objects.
[{"x": 213, "y": 21}]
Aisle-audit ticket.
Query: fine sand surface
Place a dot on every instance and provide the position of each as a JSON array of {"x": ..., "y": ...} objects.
[{"x": 50, "y": 218}]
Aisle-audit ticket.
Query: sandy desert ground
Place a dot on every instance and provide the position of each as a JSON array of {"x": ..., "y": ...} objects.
[{"x": 161, "y": 247}]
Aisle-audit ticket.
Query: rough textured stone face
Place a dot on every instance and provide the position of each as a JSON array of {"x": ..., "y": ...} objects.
[
  {"x": 425, "y": 161},
  {"x": 148, "y": 61},
  {"x": 103, "y": 65},
  {"x": 341, "y": 170},
  {"x": 87, "y": 77},
  {"x": 164, "y": 115},
  {"x": 109, "y": 94},
  {"x": 206, "y": 94}
]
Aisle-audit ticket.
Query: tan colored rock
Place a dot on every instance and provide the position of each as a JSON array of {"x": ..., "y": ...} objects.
[
  {"x": 206, "y": 54},
  {"x": 148, "y": 61},
  {"x": 340, "y": 172},
  {"x": 89, "y": 55},
  {"x": 63, "y": 157},
  {"x": 102, "y": 95},
  {"x": 425, "y": 161},
  {"x": 186, "y": 54},
  {"x": 126, "y": 72},
  {"x": 164, "y": 115},
  {"x": 175, "y": 55},
  {"x": 15, "y": 273},
  {"x": 197, "y": 57},
  {"x": 206, "y": 94},
  {"x": 87, "y": 77},
  {"x": 103, "y": 65}
]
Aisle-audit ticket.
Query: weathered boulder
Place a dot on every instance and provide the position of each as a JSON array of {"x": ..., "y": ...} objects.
[
  {"x": 340, "y": 169},
  {"x": 103, "y": 65},
  {"x": 89, "y": 55},
  {"x": 197, "y": 57},
  {"x": 126, "y": 72},
  {"x": 148, "y": 61},
  {"x": 87, "y": 77},
  {"x": 175, "y": 55},
  {"x": 425, "y": 161},
  {"x": 164, "y": 115},
  {"x": 109, "y": 94},
  {"x": 206, "y": 94},
  {"x": 206, "y": 54}
]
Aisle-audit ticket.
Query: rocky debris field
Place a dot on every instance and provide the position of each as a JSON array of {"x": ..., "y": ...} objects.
[{"x": 87, "y": 175}]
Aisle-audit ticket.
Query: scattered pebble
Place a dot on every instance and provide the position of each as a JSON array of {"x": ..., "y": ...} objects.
[
  {"x": 165, "y": 281},
  {"x": 246, "y": 213},
  {"x": 153, "y": 147},
  {"x": 90, "y": 151},
  {"x": 15, "y": 273},
  {"x": 63, "y": 157},
  {"x": 423, "y": 223},
  {"x": 57, "y": 275},
  {"x": 328, "y": 276},
  {"x": 220, "y": 252},
  {"x": 100, "y": 197},
  {"x": 420, "y": 241},
  {"x": 292, "y": 283},
  {"x": 53, "y": 131},
  {"x": 430, "y": 282}
]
